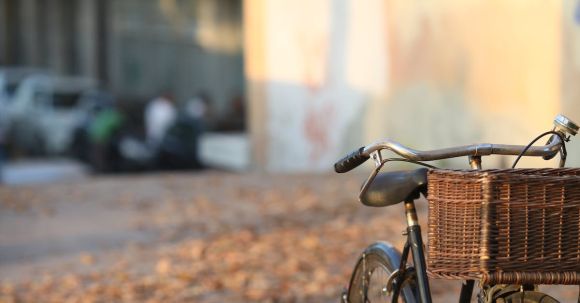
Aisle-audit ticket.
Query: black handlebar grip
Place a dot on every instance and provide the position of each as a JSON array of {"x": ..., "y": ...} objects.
[{"x": 350, "y": 161}]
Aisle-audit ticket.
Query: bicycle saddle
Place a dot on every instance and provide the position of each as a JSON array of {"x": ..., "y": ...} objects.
[{"x": 395, "y": 187}]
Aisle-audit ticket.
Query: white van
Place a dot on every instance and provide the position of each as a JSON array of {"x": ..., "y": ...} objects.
[{"x": 45, "y": 111}]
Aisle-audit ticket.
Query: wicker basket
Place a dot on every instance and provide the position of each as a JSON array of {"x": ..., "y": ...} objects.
[{"x": 508, "y": 226}]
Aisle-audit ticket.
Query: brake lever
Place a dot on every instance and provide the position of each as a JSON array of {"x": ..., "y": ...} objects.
[{"x": 378, "y": 159}]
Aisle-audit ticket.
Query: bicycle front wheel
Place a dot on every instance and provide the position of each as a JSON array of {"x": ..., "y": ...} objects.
[{"x": 368, "y": 283}]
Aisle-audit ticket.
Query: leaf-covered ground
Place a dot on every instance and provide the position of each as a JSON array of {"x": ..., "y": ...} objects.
[{"x": 208, "y": 237}]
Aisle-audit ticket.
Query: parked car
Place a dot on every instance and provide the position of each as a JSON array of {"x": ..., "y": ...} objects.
[
  {"x": 45, "y": 111},
  {"x": 10, "y": 80},
  {"x": 12, "y": 77}
]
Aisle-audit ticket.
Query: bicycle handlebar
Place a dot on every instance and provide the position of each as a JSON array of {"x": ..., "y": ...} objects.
[
  {"x": 562, "y": 128},
  {"x": 485, "y": 149},
  {"x": 360, "y": 155}
]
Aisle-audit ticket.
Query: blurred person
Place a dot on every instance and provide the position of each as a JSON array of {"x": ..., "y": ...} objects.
[
  {"x": 180, "y": 146},
  {"x": 3, "y": 124},
  {"x": 3, "y": 133},
  {"x": 104, "y": 135},
  {"x": 196, "y": 108},
  {"x": 160, "y": 114},
  {"x": 93, "y": 102},
  {"x": 234, "y": 119}
]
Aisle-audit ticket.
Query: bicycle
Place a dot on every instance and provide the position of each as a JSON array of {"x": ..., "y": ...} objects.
[{"x": 382, "y": 273}]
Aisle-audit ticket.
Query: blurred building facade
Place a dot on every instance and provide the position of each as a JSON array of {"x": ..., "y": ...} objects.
[
  {"x": 323, "y": 77},
  {"x": 136, "y": 48},
  {"x": 68, "y": 37}
]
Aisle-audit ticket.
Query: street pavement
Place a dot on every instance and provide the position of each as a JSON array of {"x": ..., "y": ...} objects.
[{"x": 193, "y": 237}]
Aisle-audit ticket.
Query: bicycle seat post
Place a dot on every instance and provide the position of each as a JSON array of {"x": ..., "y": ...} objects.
[{"x": 414, "y": 236}]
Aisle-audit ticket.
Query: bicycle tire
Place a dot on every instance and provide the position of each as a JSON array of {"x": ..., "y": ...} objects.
[
  {"x": 513, "y": 294},
  {"x": 527, "y": 297},
  {"x": 372, "y": 269}
]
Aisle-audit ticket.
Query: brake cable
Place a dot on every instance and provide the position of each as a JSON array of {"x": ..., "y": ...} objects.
[
  {"x": 563, "y": 152},
  {"x": 409, "y": 161}
]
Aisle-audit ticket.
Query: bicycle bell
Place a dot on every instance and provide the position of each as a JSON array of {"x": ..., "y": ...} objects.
[{"x": 565, "y": 125}]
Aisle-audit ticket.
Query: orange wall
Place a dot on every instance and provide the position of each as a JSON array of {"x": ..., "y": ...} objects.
[{"x": 426, "y": 74}]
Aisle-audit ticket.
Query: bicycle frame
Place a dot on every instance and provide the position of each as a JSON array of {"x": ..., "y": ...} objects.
[{"x": 415, "y": 244}]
